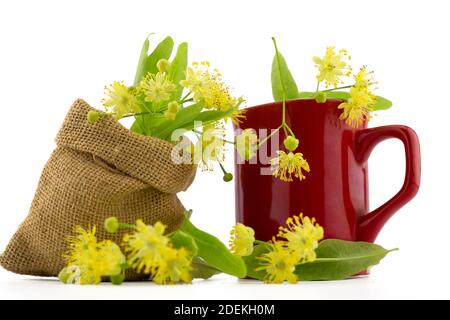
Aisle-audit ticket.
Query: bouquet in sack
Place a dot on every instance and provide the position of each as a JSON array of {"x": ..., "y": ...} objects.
[{"x": 100, "y": 168}]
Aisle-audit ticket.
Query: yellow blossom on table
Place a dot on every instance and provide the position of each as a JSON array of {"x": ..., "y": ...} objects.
[
  {"x": 157, "y": 87},
  {"x": 146, "y": 246},
  {"x": 279, "y": 263},
  {"x": 211, "y": 146},
  {"x": 89, "y": 260},
  {"x": 109, "y": 258},
  {"x": 120, "y": 100},
  {"x": 332, "y": 66},
  {"x": 356, "y": 110},
  {"x": 247, "y": 144},
  {"x": 242, "y": 240},
  {"x": 287, "y": 164},
  {"x": 198, "y": 79},
  {"x": 302, "y": 236},
  {"x": 175, "y": 267}
]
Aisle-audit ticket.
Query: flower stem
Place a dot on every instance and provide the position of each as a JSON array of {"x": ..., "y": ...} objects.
[
  {"x": 317, "y": 87},
  {"x": 269, "y": 136},
  {"x": 227, "y": 141},
  {"x": 338, "y": 88},
  {"x": 135, "y": 114},
  {"x": 184, "y": 99},
  {"x": 126, "y": 226},
  {"x": 289, "y": 129},
  {"x": 221, "y": 167}
]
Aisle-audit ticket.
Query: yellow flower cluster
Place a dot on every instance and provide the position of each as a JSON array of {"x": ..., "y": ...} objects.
[
  {"x": 210, "y": 146},
  {"x": 356, "y": 110},
  {"x": 279, "y": 264},
  {"x": 156, "y": 87},
  {"x": 208, "y": 86},
  {"x": 120, "y": 100},
  {"x": 89, "y": 260},
  {"x": 332, "y": 66},
  {"x": 151, "y": 252},
  {"x": 287, "y": 164},
  {"x": 242, "y": 239},
  {"x": 300, "y": 239}
]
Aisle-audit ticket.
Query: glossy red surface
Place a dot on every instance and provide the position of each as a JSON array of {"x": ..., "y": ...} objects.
[{"x": 335, "y": 192}]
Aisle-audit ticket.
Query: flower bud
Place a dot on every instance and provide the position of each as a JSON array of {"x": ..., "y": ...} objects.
[
  {"x": 117, "y": 279},
  {"x": 93, "y": 116},
  {"x": 169, "y": 115},
  {"x": 227, "y": 177},
  {"x": 290, "y": 143},
  {"x": 111, "y": 224},
  {"x": 163, "y": 65},
  {"x": 173, "y": 107},
  {"x": 63, "y": 275},
  {"x": 321, "y": 97}
]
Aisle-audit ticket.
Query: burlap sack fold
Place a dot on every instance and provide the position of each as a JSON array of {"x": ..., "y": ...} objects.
[{"x": 96, "y": 171}]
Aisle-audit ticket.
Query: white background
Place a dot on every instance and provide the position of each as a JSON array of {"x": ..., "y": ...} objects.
[{"x": 52, "y": 52}]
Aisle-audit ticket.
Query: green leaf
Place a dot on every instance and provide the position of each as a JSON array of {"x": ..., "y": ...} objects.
[
  {"x": 136, "y": 127},
  {"x": 177, "y": 70},
  {"x": 252, "y": 262},
  {"x": 184, "y": 117},
  {"x": 182, "y": 239},
  {"x": 207, "y": 117},
  {"x": 214, "y": 252},
  {"x": 202, "y": 270},
  {"x": 162, "y": 51},
  {"x": 140, "y": 72},
  {"x": 382, "y": 104},
  {"x": 339, "y": 259},
  {"x": 305, "y": 95},
  {"x": 283, "y": 81},
  {"x": 336, "y": 260}
]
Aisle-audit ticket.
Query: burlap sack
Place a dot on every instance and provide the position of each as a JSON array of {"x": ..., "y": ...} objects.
[{"x": 96, "y": 171}]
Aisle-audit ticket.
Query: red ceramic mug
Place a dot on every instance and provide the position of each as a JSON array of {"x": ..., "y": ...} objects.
[{"x": 335, "y": 192}]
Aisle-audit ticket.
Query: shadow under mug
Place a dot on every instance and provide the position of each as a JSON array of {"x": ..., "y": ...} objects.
[{"x": 335, "y": 191}]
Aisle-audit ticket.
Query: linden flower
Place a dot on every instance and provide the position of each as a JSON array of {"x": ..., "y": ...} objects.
[
  {"x": 302, "y": 235},
  {"x": 198, "y": 79},
  {"x": 89, "y": 260},
  {"x": 210, "y": 146},
  {"x": 146, "y": 246},
  {"x": 247, "y": 144},
  {"x": 287, "y": 164},
  {"x": 279, "y": 264},
  {"x": 156, "y": 88},
  {"x": 332, "y": 66},
  {"x": 217, "y": 95},
  {"x": 364, "y": 79},
  {"x": 238, "y": 115},
  {"x": 356, "y": 110},
  {"x": 109, "y": 258},
  {"x": 175, "y": 267},
  {"x": 120, "y": 100},
  {"x": 241, "y": 240}
]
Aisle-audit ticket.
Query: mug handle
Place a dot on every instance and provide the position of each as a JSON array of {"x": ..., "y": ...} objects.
[{"x": 370, "y": 224}]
